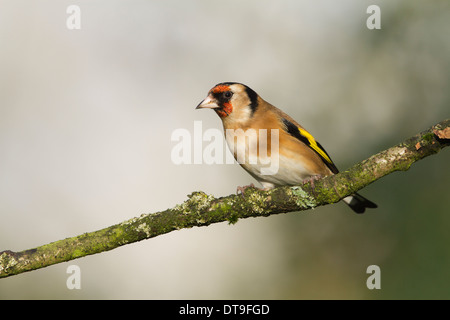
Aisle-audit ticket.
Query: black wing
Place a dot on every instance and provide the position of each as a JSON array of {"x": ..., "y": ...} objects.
[{"x": 305, "y": 137}]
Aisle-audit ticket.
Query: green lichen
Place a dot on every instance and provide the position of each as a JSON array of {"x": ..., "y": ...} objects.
[
  {"x": 220, "y": 209},
  {"x": 428, "y": 137},
  {"x": 78, "y": 253},
  {"x": 256, "y": 201},
  {"x": 129, "y": 222},
  {"x": 200, "y": 200},
  {"x": 233, "y": 218},
  {"x": 143, "y": 227},
  {"x": 7, "y": 262},
  {"x": 197, "y": 201},
  {"x": 302, "y": 199}
]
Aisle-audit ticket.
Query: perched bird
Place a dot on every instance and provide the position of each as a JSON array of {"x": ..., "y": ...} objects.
[{"x": 299, "y": 158}]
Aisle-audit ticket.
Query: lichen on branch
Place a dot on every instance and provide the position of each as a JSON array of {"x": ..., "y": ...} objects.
[{"x": 201, "y": 209}]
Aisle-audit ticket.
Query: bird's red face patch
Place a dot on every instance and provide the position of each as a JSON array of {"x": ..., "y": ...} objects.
[
  {"x": 225, "y": 110},
  {"x": 220, "y": 88},
  {"x": 223, "y": 94}
]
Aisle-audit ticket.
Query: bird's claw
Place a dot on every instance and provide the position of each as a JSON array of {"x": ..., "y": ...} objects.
[
  {"x": 241, "y": 190},
  {"x": 312, "y": 179}
]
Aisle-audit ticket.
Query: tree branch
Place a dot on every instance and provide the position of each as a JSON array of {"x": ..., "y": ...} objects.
[{"x": 202, "y": 209}]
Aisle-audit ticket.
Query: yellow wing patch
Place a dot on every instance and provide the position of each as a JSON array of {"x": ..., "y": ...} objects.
[{"x": 313, "y": 145}]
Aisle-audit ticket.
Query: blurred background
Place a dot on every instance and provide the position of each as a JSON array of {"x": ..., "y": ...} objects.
[{"x": 86, "y": 118}]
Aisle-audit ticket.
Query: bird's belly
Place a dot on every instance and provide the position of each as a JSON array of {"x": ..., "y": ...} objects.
[
  {"x": 269, "y": 167},
  {"x": 288, "y": 172}
]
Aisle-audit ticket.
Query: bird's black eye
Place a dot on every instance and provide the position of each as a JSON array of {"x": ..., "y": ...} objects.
[{"x": 228, "y": 94}]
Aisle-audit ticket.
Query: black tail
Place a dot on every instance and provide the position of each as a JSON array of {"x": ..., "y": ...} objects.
[{"x": 358, "y": 203}]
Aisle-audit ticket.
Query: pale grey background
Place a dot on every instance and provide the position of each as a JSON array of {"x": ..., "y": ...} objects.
[{"x": 86, "y": 118}]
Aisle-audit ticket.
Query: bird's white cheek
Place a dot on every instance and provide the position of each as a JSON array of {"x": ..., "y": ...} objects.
[{"x": 237, "y": 118}]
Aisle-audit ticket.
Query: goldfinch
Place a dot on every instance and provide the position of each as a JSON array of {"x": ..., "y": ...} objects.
[{"x": 299, "y": 156}]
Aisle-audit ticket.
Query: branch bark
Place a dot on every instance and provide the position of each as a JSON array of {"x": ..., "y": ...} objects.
[{"x": 202, "y": 209}]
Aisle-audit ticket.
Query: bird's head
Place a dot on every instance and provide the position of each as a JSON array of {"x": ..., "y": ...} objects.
[{"x": 233, "y": 102}]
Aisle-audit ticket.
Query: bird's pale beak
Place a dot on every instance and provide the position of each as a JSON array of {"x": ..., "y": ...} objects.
[{"x": 208, "y": 103}]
